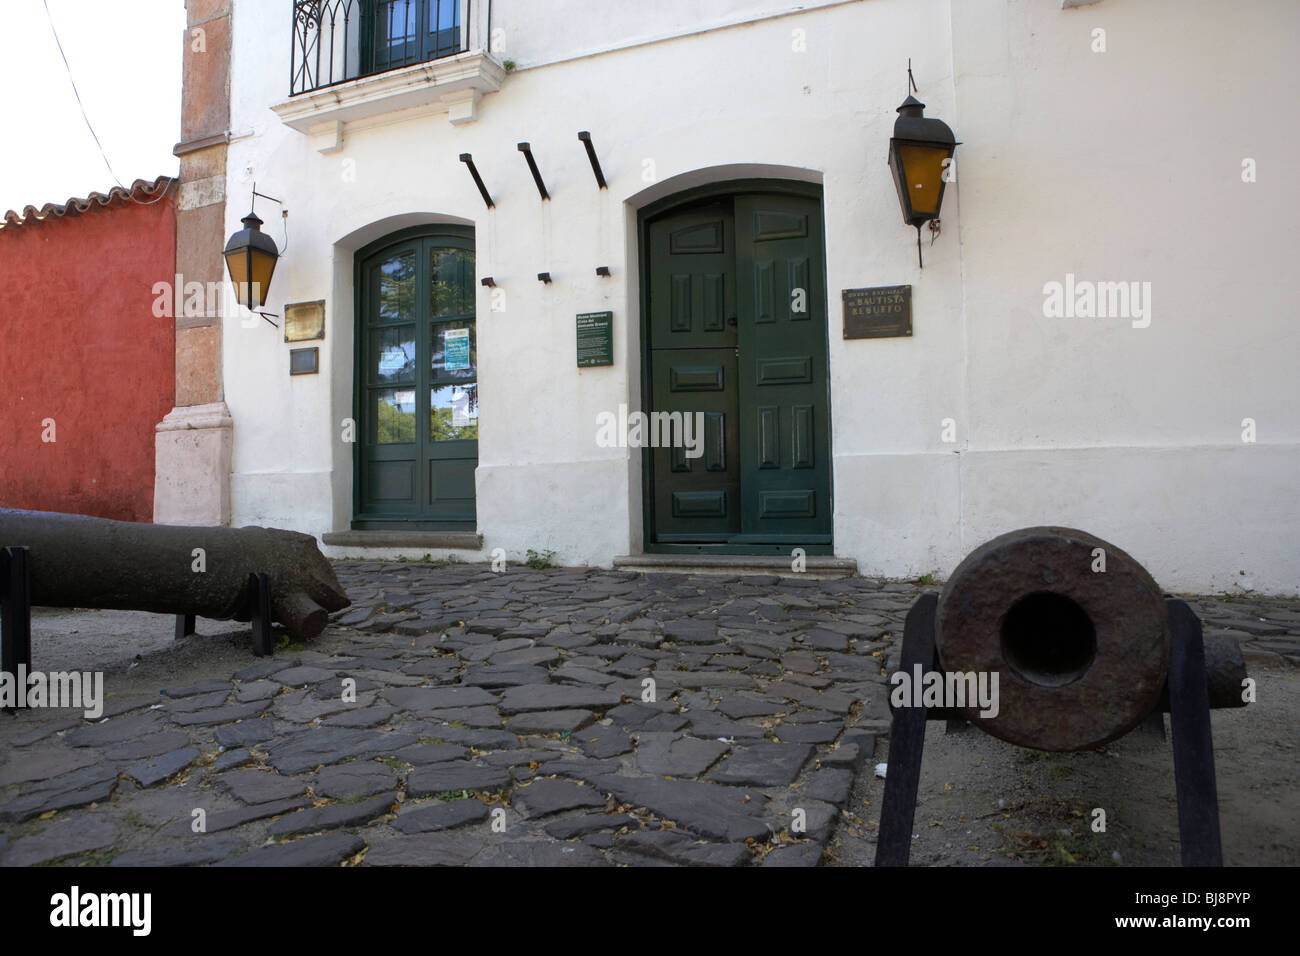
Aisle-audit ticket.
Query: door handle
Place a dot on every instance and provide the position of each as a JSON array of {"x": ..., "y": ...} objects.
[{"x": 731, "y": 320}]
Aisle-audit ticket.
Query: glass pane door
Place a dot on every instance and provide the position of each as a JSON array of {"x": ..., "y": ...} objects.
[
  {"x": 397, "y": 33},
  {"x": 453, "y": 378},
  {"x": 390, "y": 475},
  {"x": 412, "y": 31},
  {"x": 418, "y": 390},
  {"x": 443, "y": 20}
]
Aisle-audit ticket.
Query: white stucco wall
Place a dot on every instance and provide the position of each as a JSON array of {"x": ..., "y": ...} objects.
[
  {"x": 1115, "y": 166},
  {"x": 1127, "y": 165}
]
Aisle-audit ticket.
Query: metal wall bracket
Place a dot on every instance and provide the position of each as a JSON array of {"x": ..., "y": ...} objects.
[
  {"x": 602, "y": 271},
  {"x": 544, "y": 277},
  {"x": 468, "y": 160},
  {"x": 527, "y": 150},
  {"x": 591, "y": 155}
]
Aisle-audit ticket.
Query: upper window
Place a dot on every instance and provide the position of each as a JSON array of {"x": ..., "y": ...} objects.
[
  {"x": 339, "y": 40},
  {"x": 412, "y": 31}
]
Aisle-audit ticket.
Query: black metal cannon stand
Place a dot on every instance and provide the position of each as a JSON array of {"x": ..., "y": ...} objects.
[
  {"x": 16, "y": 612},
  {"x": 906, "y": 741},
  {"x": 259, "y": 597},
  {"x": 1189, "y": 717}
]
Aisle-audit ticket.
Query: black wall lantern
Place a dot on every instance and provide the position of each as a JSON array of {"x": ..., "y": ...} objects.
[
  {"x": 917, "y": 154},
  {"x": 250, "y": 257}
]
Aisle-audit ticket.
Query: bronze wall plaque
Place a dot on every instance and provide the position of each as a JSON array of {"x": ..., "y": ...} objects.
[
  {"x": 304, "y": 321},
  {"x": 878, "y": 313}
]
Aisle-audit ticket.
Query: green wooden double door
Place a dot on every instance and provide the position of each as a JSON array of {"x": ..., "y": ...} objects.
[
  {"x": 736, "y": 332},
  {"x": 417, "y": 382}
]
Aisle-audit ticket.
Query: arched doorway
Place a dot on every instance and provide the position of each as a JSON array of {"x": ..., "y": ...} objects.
[
  {"x": 416, "y": 382},
  {"x": 734, "y": 332}
]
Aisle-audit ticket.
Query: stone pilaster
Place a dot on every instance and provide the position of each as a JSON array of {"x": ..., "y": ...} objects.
[{"x": 193, "y": 443}]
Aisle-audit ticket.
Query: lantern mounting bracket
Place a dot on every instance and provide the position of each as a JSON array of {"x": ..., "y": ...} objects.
[{"x": 284, "y": 216}]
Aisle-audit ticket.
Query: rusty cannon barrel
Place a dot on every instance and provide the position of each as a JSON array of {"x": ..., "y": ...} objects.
[
  {"x": 1078, "y": 633},
  {"x": 77, "y": 561}
]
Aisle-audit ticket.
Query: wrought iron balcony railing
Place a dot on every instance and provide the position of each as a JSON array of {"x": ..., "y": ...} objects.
[{"x": 339, "y": 40}]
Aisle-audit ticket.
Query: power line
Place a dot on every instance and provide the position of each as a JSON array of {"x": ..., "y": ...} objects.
[{"x": 130, "y": 194}]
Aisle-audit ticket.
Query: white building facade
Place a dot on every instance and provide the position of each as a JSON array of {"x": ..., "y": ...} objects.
[{"x": 1103, "y": 334}]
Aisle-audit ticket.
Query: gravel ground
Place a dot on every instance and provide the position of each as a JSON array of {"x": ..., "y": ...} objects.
[{"x": 983, "y": 802}]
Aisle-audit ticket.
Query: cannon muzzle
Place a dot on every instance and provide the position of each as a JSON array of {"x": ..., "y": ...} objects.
[{"x": 1078, "y": 633}]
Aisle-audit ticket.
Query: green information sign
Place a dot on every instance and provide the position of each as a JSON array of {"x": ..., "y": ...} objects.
[
  {"x": 595, "y": 339},
  {"x": 455, "y": 344}
]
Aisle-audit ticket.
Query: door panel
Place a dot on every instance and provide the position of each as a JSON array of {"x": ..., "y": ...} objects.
[
  {"x": 392, "y": 482},
  {"x": 451, "y": 487},
  {"x": 785, "y": 460},
  {"x": 692, "y": 281},
  {"x": 697, "y": 496},
  {"x": 692, "y": 356},
  {"x": 737, "y": 332}
]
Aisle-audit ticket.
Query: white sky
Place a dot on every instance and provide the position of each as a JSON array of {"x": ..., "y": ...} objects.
[{"x": 125, "y": 56}]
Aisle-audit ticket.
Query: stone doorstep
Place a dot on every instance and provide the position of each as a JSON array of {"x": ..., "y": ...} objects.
[
  {"x": 428, "y": 540},
  {"x": 817, "y": 566}
]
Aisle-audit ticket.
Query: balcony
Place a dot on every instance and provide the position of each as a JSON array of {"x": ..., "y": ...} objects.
[{"x": 351, "y": 60}]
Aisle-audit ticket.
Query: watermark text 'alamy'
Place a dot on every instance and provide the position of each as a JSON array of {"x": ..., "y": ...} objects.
[{"x": 651, "y": 430}]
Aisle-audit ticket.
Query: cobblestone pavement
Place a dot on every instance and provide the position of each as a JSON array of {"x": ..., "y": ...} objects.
[{"x": 556, "y": 717}]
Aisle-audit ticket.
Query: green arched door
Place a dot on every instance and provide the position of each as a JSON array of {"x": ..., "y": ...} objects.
[
  {"x": 417, "y": 382},
  {"x": 735, "y": 332}
]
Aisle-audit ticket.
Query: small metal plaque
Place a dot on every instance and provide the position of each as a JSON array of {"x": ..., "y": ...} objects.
[
  {"x": 304, "y": 321},
  {"x": 878, "y": 313},
  {"x": 304, "y": 361},
  {"x": 595, "y": 339}
]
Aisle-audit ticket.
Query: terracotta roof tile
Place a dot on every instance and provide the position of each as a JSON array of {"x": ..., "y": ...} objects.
[{"x": 142, "y": 190}]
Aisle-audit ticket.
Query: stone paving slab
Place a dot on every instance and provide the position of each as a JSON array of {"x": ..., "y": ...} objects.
[
  {"x": 437, "y": 815},
  {"x": 154, "y": 771},
  {"x": 456, "y": 716}
]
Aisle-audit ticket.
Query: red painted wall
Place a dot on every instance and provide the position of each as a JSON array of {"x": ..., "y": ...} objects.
[{"x": 79, "y": 343}]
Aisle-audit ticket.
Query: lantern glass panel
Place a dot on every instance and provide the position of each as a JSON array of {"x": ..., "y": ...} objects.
[
  {"x": 923, "y": 167},
  {"x": 250, "y": 265},
  {"x": 237, "y": 263},
  {"x": 263, "y": 269}
]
